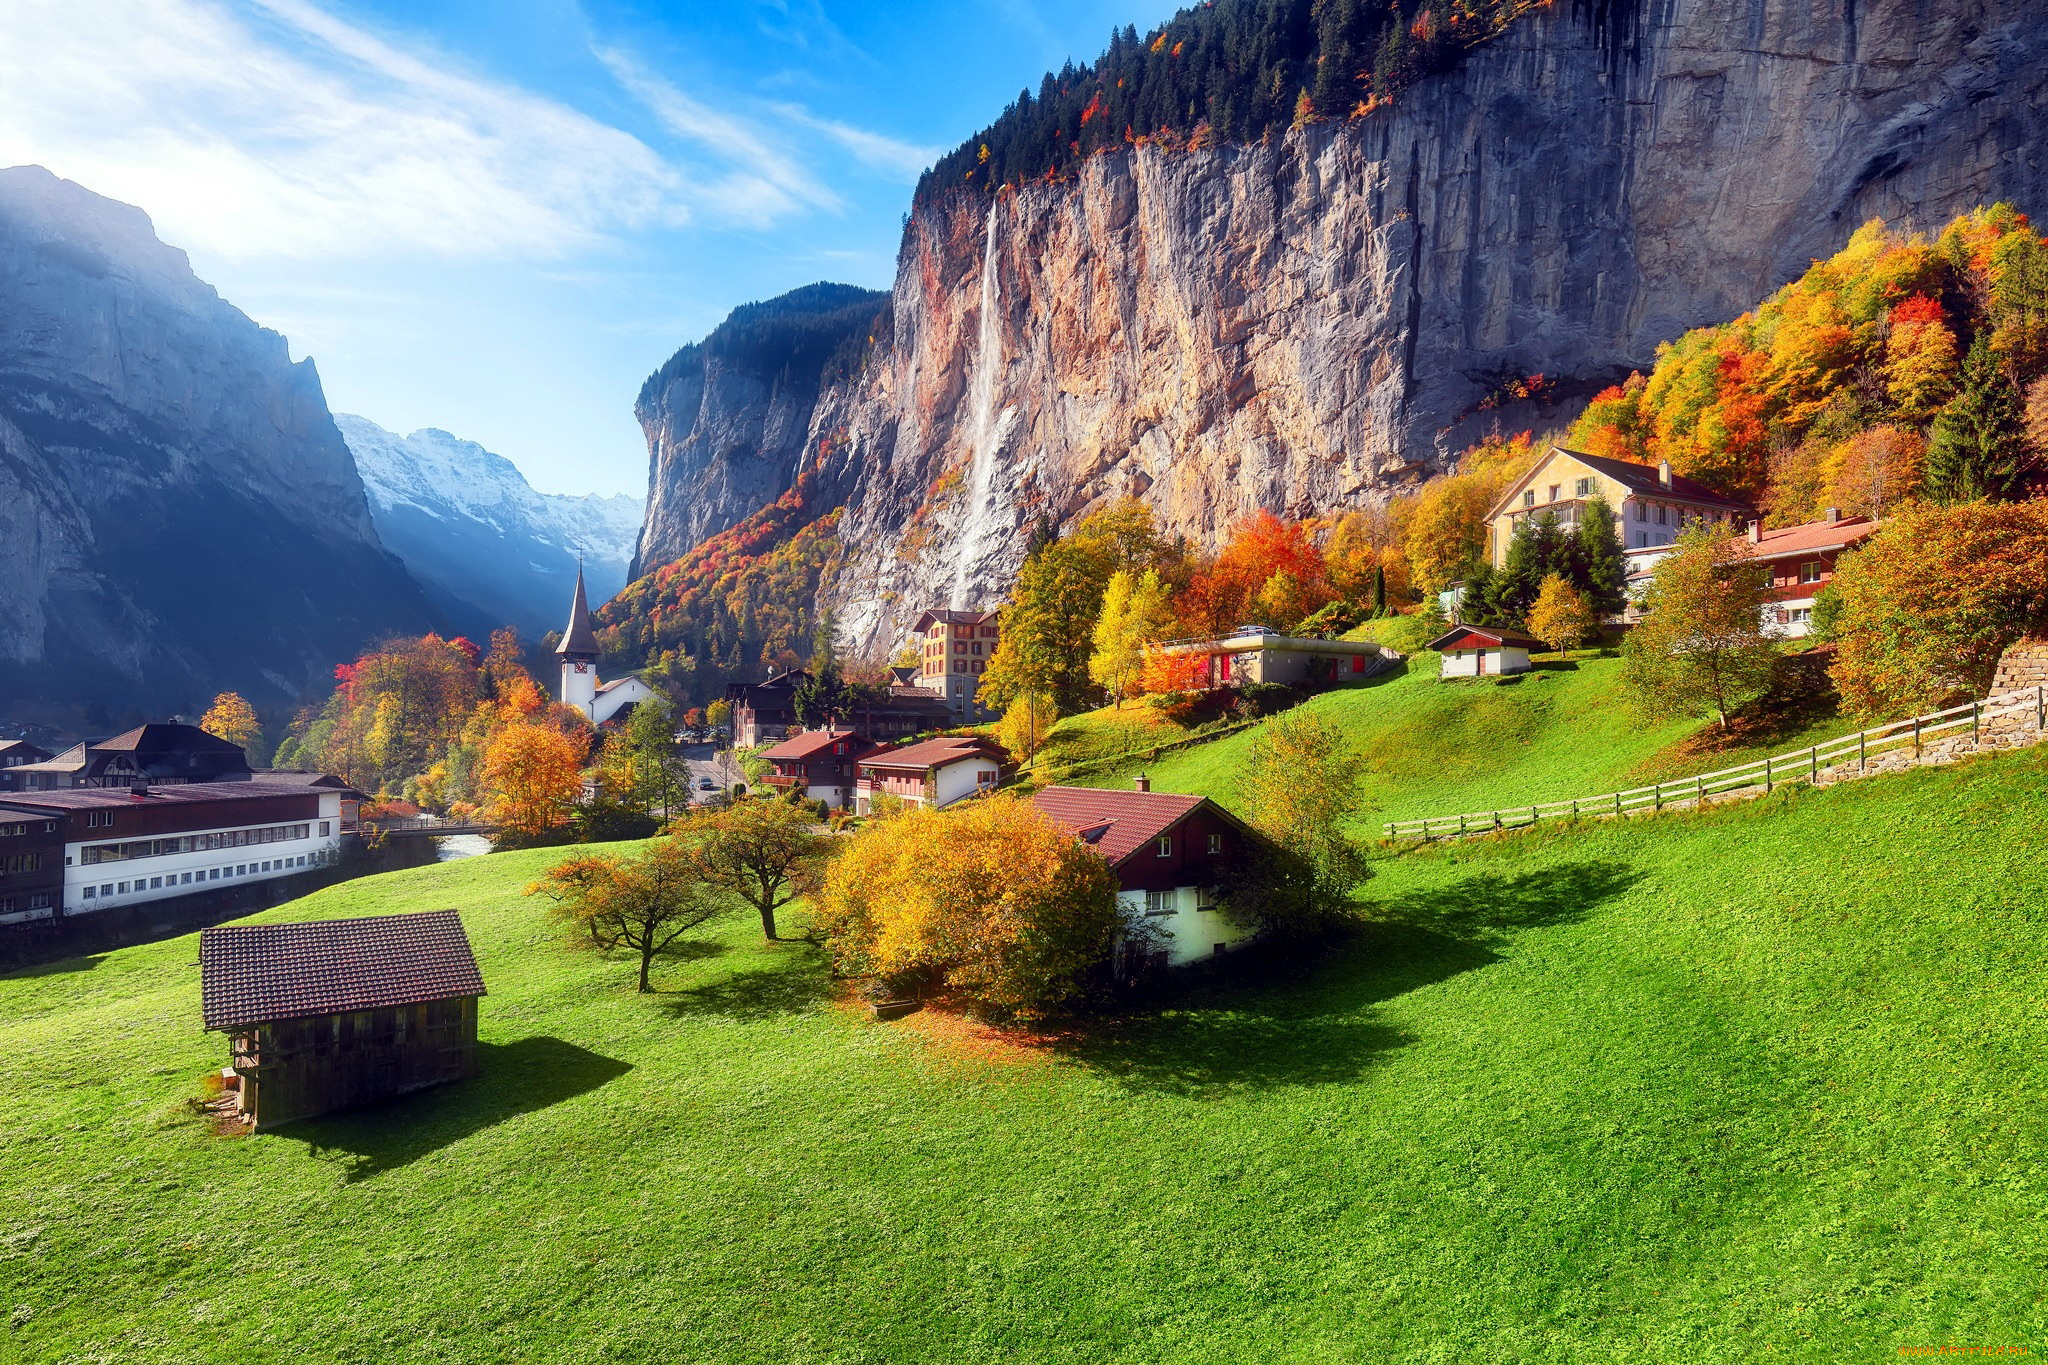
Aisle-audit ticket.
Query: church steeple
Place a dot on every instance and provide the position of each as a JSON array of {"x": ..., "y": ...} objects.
[{"x": 578, "y": 640}]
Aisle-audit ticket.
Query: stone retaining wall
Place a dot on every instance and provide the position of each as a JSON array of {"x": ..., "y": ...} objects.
[{"x": 2022, "y": 666}]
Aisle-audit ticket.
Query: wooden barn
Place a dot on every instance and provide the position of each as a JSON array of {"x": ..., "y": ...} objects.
[{"x": 333, "y": 1013}]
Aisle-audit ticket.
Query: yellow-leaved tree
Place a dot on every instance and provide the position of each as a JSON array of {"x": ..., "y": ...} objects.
[
  {"x": 232, "y": 718},
  {"x": 990, "y": 899},
  {"x": 1562, "y": 617},
  {"x": 1135, "y": 613},
  {"x": 531, "y": 775}
]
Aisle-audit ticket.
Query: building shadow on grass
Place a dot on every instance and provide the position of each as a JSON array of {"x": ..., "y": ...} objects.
[
  {"x": 793, "y": 986},
  {"x": 63, "y": 967},
  {"x": 512, "y": 1079},
  {"x": 1489, "y": 907}
]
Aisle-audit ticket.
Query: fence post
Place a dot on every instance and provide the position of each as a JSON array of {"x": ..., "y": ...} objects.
[
  {"x": 1862, "y": 758},
  {"x": 1813, "y": 764},
  {"x": 1767, "y": 777},
  {"x": 1976, "y": 717},
  {"x": 1699, "y": 792},
  {"x": 2037, "y": 707},
  {"x": 1617, "y": 805},
  {"x": 1461, "y": 824},
  {"x": 1496, "y": 822},
  {"x": 1916, "y": 736},
  {"x": 1657, "y": 797},
  {"x": 1532, "y": 817},
  {"x": 1575, "y": 810}
]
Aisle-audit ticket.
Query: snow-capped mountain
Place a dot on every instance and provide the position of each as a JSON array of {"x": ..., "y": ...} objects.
[{"x": 489, "y": 549}]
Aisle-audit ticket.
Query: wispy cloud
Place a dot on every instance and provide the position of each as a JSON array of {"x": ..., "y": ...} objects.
[
  {"x": 767, "y": 179},
  {"x": 897, "y": 160},
  {"x": 271, "y": 128}
]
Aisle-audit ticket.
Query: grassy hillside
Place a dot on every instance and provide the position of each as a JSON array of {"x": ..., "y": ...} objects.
[
  {"x": 1724, "y": 1087},
  {"x": 1443, "y": 748}
]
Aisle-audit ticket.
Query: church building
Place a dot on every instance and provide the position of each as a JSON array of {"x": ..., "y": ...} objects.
[{"x": 580, "y": 688}]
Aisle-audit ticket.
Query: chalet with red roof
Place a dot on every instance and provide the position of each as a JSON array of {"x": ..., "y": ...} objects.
[
  {"x": 822, "y": 764},
  {"x": 1802, "y": 560},
  {"x": 932, "y": 772},
  {"x": 1170, "y": 854},
  {"x": 331, "y": 1013}
]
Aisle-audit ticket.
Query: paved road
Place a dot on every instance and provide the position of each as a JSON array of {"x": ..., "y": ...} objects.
[{"x": 705, "y": 761}]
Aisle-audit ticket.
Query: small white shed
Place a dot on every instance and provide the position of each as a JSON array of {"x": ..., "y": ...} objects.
[{"x": 1484, "y": 651}]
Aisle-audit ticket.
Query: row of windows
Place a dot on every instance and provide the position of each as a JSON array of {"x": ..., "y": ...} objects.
[
  {"x": 1162, "y": 902},
  {"x": 14, "y": 863},
  {"x": 210, "y": 874},
  {"x": 1164, "y": 847},
  {"x": 14, "y": 905},
  {"x": 194, "y": 843},
  {"x": 16, "y": 831}
]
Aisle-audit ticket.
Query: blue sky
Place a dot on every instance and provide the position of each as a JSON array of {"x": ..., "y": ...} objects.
[{"x": 498, "y": 216}]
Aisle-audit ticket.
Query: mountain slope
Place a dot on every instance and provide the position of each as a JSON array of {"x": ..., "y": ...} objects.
[
  {"x": 178, "y": 514},
  {"x": 727, "y": 417},
  {"x": 1324, "y": 315},
  {"x": 489, "y": 549}
]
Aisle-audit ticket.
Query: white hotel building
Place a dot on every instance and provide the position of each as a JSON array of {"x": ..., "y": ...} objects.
[{"x": 83, "y": 850}]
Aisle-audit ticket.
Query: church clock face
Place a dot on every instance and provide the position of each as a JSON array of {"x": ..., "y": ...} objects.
[{"x": 583, "y": 668}]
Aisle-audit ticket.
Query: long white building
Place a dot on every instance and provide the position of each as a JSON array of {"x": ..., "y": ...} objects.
[{"x": 84, "y": 850}]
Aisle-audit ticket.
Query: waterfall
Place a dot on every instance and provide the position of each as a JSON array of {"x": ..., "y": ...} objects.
[{"x": 987, "y": 429}]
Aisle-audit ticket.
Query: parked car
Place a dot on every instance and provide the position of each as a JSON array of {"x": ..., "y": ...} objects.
[{"x": 705, "y": 784}]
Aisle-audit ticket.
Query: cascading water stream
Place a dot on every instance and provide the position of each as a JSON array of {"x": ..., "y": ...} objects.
[{"x": 987, "y": 430}]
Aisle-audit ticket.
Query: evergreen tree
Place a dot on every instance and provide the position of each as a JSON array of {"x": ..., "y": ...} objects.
[
  {"x": 1475, "y": 599},
  {"x": 1602, "y": 572},
  {"x": 1977, "y": 449},
  {"x": 1533, "y": 555},
  {"x": 1379, "y": 591}
]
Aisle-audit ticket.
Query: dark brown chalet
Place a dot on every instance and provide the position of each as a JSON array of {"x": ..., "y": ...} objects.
[
  {"x": 158, "y": 754},
  {"x": 820, "y": 764},
  {"x": 15, "y": 753},
  {"x": 31, "y": 864},
  {"x": 333, "y": 1013},
  {"x": 1170, "y": 854}
]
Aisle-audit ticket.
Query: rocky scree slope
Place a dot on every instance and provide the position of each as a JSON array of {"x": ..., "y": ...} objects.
[
  {"x": 1325, "y": 317},
  {"x": 489, "y": 550},
  {"x": 178, "y": 514}
]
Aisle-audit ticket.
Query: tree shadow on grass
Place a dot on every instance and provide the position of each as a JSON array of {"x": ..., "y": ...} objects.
[
  {"x": 1266, "y": 1020},
  {"x": 798, "y": 984},
  {"x": 1272, "y": 1020},
  {"x": 63, "y": 967},
  {"x": 512, "y": 1079},
  {"x": 1489, "y": 907}
]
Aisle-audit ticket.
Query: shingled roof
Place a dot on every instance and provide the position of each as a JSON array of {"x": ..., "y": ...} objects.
[
  {"x": 1117, "y": 823},
  {"x": 259, "y": 973}
]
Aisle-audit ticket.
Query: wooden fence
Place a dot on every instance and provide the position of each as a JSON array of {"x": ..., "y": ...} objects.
[{"x": 1801, "y": 765}]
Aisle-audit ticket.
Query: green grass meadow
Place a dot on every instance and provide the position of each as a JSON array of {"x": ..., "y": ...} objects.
[
  {"x": 1446, "y": 748},
  {"x": 1761, "y": 1083}
]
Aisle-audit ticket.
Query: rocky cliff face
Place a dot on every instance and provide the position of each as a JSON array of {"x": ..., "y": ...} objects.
[
  {"x": 1317, "y": 321},
  {"x": 489, "y": 550},
  {"x": 178, "y": 513},
  {"x": 727, "y": 417}
]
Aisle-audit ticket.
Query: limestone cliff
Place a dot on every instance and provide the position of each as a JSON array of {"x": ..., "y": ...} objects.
[
  {"x": 1317, "y": 320},
  {"x": 727, "y": 417},
  {"x": 178, "y": 514}
]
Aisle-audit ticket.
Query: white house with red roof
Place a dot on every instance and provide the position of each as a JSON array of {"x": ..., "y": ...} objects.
[
  {"x": 1170, "y": 853},
  {"x": 933, "y": 772},
  {"x": 822, "y": 764},
  {"x": 1802, "y": 560}
]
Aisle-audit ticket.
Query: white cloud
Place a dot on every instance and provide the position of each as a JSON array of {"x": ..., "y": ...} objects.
[
  {"x": 272, "y": 129},
  {"x": 769, "y": 180},
  {"x": 898, "y": 160}
]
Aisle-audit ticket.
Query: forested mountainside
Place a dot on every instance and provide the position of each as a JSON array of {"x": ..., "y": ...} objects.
[
  {"x": 489, "y": 550},
  {"x": 727, "y": 417},
  {"x": 178, "y": 513},
  {"x": 1331, "y": 312}
]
